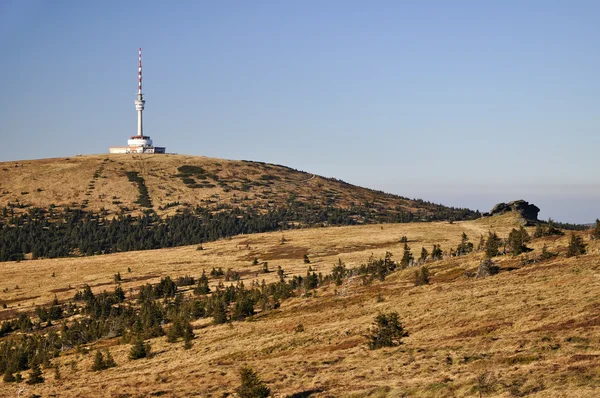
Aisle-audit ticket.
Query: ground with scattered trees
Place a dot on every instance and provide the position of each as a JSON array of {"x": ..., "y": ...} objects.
[{"x": 419, "y": 309}]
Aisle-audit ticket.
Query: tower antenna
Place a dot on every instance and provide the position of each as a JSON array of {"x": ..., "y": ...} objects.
[
  {"x": 140, "y": 71},
  {"x": 139, "y": 102}
]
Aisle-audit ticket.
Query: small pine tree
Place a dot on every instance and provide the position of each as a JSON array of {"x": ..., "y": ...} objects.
[
  {"x": 437, "y": 253},
  {"x": 175, "y": 331},
  {"x": 99, "y": 363},
  {"x": 481, "y": 244},
  {"x": 109, "y": 362},
  {"x": 576, "y": 246},
  {"x": 388, "y": 331},
  {"x": 219, "y": 312},
  {"x": 266, "y": 268},
  {"x": 546, "y": 254},
  {"x": 251, "y": 386},
  {"x": 35, "y": 377},
  {"x": 424, "y": 254},
  {"x": 422, "y": 276},
  {"x": 255, "y": 261},
  {"x": 139, "y": 349},
  {"x": 517, "y": 240},
  {"x": 492, "y": 245},
  {"x": 188, "y": 335},
  {"x": 118, "y": 277},
  {"x": 407, "y": 256},
  {"x": 596, "y": 230},
  {"x": 465, "y": 246},
  {"x": 306, "y": 259}
]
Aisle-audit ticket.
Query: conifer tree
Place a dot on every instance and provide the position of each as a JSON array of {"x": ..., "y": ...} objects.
[
  {"x": 576, "y": 246},
  {"x": 202, "y": 287},
  {"x": 251, "y": 385},
  {"x": 492, "y": 245},
  {"x": 188, "y": 335},
  {"x": 596, "y": 230},
  {"x": 35, "y": 377},
  {"x": 139, "y": 349},
  {"x": 424, "y": 254},
  {"x": 99, "y": 363},
  {"x": 388, "y": 331},
  {"x": 436, "y": 253},
  {"x": 407, "y": 256},
  {"x": 109, "y": 362},
  {"x": 465, "y": 246},
  {"x": 517, "y": 240}
]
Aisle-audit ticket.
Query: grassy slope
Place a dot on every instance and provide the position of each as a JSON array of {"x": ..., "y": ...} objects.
[
  {"x": 70, "y": 182},
  {"x": 534, "y": 328}
]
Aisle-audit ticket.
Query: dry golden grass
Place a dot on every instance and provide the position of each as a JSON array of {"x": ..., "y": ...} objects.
[
  {"x": 68, "y": 182},
  {"x": 534, "y": 328}
]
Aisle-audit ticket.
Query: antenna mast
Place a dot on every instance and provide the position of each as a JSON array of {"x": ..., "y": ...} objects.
[{"x": 139, "y": 102}]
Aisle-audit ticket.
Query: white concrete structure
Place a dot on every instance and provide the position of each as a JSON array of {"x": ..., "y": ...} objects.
[{"x": 139, "y": 143}]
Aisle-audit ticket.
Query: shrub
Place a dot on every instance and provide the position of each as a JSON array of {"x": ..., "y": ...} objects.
[
  {"x": 517, "y": 240},
  {"x": 596, "y": 230},
  {"x": 99, "y": 363},
  {"x": 464, "y": 246},
  {"x": 545, "y": 255},
  {"x": 487, "y": 268},
  {"x": 35, "y": 377},
  {"x": 251, "y": 386},
  {"x": 576, "y": 246},
  {"x": 407, "y": 256},
  {"x": 422, "y": 276},
  {"x": 424, "y": 254},
  {"x": 139, "y": 349},
  {"x": 492, "y": 245},
  {"x": 388, "y": 331}
]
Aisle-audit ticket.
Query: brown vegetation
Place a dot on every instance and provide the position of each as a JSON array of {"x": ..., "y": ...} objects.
[{"x": 529, "y": 330}]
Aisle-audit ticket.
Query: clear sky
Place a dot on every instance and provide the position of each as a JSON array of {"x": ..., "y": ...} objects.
[{"x": 467, "y": 103}]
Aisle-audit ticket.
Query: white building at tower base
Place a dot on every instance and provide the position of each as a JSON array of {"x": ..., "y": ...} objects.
[{"x": 138, "y": 144}]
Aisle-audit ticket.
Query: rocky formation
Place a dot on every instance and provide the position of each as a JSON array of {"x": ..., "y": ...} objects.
[{"x": 528, "y": 211}]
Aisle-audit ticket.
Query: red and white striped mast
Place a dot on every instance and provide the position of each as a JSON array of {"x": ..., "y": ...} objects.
[{"x": 139, "y": 102}]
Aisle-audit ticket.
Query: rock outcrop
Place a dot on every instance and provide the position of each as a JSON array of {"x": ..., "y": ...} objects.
[{"x": 525, "y": 209}]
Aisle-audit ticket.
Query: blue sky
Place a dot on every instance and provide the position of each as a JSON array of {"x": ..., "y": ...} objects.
[{"x": 466, "y": 103}]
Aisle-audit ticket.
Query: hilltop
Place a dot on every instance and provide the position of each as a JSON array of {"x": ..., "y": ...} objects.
[
  {"x": 531, "y": 330},
  {"x": 104, "y": 204},
  {"x": 115, "y": 184}
]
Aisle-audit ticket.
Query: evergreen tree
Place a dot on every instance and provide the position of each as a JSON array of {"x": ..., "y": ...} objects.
[
  {"x": 35, "y": 377},
  {"x": 424, "y": 254},
  {"x": 388, "y": 331},
  {"x": 219, "y": 311},
  {"x": 492, "y": 245},
  {"x": 517, "y": 240},
  {"x": 422, "y": 276},
  {"x": 175, "y": 331},
  {"x": 109, "y": 362},
  {"x": 576, "y": 246},
  {"x": 202, "y": 287},
  {"x": 596, "y": 230},
  {"x": 188, "y": 335},
  {"x": 251, "y": 386},
  {"x": 407, "y": 256},
  {"x": 139, "y": 349},
  {"x": 306, "y": 259},
  {"x": 465, "y": 246},
  {"x": 437, "y": 253},
  {"x": 99, "y": 363}
]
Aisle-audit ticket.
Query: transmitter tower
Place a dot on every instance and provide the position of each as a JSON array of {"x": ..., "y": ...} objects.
[{"x": 139, "y": 143}]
